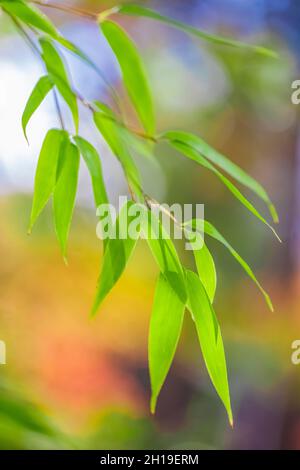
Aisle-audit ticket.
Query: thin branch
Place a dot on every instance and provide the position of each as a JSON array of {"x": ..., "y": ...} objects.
[
  {"x": 58, "y": 108},
  {"x": 25, "y": 35},
  {"x": 66, "y": 8},
  {"x": 37, "y": 52}
]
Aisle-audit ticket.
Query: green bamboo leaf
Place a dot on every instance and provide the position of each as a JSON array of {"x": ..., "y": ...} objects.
[
  {"x": 165, "y": 328},
  {"x": 93, "y": 163},
  {"x": 134, "y": 75},
  {"x": 206, "y": 270},
  {"x": 57, "y": 73},
  {"x": 40, "y": 91},
  {"x": 224, "y": 163},
  {"x": 117, "y": 253},
  {"x": 164, "y": 252},
  {"x": 210, "y": 338},
  {"x": 137, "y": 10},
  {"x": 45, "y": 177},
  {"x": 30, "y": 16},
  {"x": 65, "y": 193},
  {"x": 110, "y": 131},
  {"x": 197, "y": 157},
  {"x": 210, "y": 230}
]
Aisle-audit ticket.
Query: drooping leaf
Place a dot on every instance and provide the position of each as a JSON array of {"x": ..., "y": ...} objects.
[
  {"x": 59, "y": 77},
  {"x": 40, "y": 91},
  {"x": 117, "y": 253},
  {"x": 210, "y": 230},
  {"x": 65, "y": 193},
  {"x": 45, "y": 177},
  {"x": 210, "y": 338},
  {"x": 110, "y": 131},
  {"x": 134, "y": 76},
  {"x": 70, "y": 46},
  {"x": 198, "y": 144},
  {"x": 30, "y": 15},
  {"x": 93, "y": 163},
  {"x": 137, "y": 10},
  {"x": 164, "y": 333},
  {"x": 206, "y": 270},
  {"x": 197, "y": 157},
  {"x": 164, "y": 252}
]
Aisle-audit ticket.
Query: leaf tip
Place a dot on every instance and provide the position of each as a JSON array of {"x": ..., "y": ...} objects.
[
  {"x": 153, "y": 404},
  {"x": 274, "y": 214}
]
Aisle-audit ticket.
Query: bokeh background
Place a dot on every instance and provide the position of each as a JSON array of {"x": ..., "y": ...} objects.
[{"x": 73, "y": 382}]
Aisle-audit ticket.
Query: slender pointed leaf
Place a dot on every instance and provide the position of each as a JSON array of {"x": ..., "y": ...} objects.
[
  {"x": 93, "y": 163},
  {"x": 117, "y": 253},
  {"x": 210, "y": 338},
  {"x": 210, "y": 230},
  {"x": 165, "y": 328},
  {"x": 40, "y": 91},
  {"x": 134, "y": 76},
  {"x": 206, "y": 270},
  {"x": 65, "y": 193},
  {"x": 45, "y": 177},
  {"x": 59, "y": 76},
  {"x": 137, "y": 10},
  {"x": 30, "y": 15},
  {"x": 197, "y": 157},
  {"x": 110, "y": 131},
  {"x": 164, "y": 253},
  {"x": 224, "y": 163}
]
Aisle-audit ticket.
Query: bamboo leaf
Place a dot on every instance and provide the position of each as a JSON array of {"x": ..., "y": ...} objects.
[
  {"x": 198, "y": 144},
  {"x": 117, "y": 253},
  {"x": 58, "y": 75},
  {"x": 30, "y": 15},
  {"x": 45, "y": 177},
  {"x": 206, "y": 270},
  {"x": 134, "y": 75},
  {"x": 40, "y": 91},
  {"x": 210, "y": 338},
  {"x": 210, "y": 230},
  {"x": 110, "y": 131},
  {"x": 165, "y": 328},
  {"x": 137, "y": 10},
  {"x": 164, "y": 253},
  {"x": 197, "y": 157},
  {"x": 93, "y": 163},
  {"x": 65, "y": 193}
]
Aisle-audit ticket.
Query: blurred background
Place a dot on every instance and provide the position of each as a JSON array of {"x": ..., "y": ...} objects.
[{"x": 73, "y": 382}]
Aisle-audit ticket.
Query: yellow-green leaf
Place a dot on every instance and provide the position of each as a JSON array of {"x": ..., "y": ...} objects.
[
  {"x": 210, "y": 338},
  {"x": 40, "y": 91},
  {"x": 65, "y": 193},
  {"x": 45, "y": 177},
  {"x": 198, "y": 144},
  {"x": 116, "y": 256},
  {"x": 210, "y": 230},
  {"x": 134, "y": 76},
  {"x": 93, "y": 163},
  {"x": 111, "y": 133},
  {"x": 165, "y": 328},
  {"x": 164, "y": 252},
  {"x": 59, "y": 76},
  {"x": 137, "y": 10},
  {"x": 30, "y": 15},
  {"x": 197, "y": 157},
  {"x": 206, "y": 270}
]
